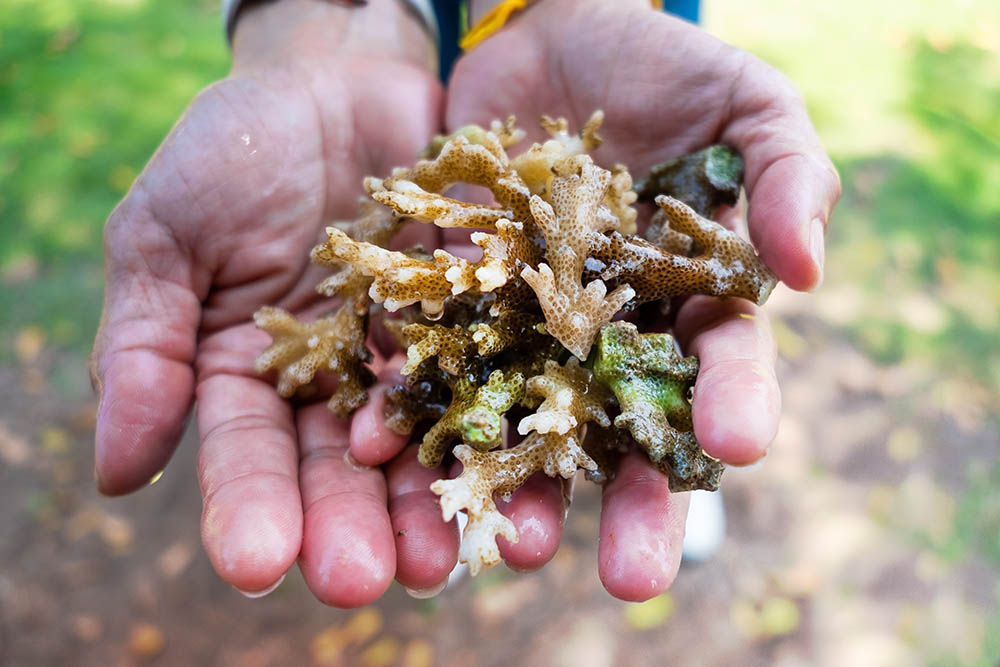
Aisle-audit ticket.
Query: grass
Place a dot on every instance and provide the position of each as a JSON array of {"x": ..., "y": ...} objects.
[
  {"x": 904, "y": 96},
  {"x": 87, "y": 91}
]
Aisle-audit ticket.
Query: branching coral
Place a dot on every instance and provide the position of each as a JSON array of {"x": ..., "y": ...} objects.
[
  {"x": 505, "y": 337},
  {"x": 574, "y": 313},
  {"x": 334, "y": 343},
  {"x": 459, "y": 357},
  {"x": 725, "y": 266},
  {"x": 572, "y": 398},
  {"x": 501, "y": 472}
]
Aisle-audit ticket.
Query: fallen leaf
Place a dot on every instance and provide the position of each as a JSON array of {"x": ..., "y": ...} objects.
[
  {"x": 771, "y": 617},
  {"x": 146, "y": 641},
  {"x": 175, "y": 559},
  {"x": 778, "y": 616},
  {"x": 363, "y": 626},
  {"x": 495, "y": 604},
  {"x": 651, "y": 613},
  {"x": 82, "y": 523},
  {"x": 117, "y": 533},
  {"x": 591, "y": 642},
  {"x": 88, "y": 628},
  {"x": 382, "y": 653},
  {"x": 29, "y": 344},
  {"x": 799, "y": 580},
  {"x": 744, "y": 616},
  {"x": 14, "y": 450},
  {"x": 418, "y": 653},
  {"x": 54, "y": 440},
  {"x": 329, "y": 645}
]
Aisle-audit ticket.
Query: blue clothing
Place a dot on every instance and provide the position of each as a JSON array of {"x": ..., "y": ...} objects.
[{"x": 451, "y": 14}]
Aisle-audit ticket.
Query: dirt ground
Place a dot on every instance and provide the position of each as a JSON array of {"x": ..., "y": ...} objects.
[{"x": 843, "y": 548}]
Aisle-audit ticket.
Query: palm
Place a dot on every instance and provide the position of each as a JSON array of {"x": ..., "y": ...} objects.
[
  {"x": 666, "y": 89},
  {"x": 220, "y": 223},
  {"x": 658, "y": 99}
]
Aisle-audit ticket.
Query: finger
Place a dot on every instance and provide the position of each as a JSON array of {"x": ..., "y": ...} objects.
[
  {"x": 348, "y": 557},
  {"x": 537, "y": 511},
  {"x": 141, "y": 364},
  {"x": 642, "y": 531},
  {"x": 248, "y": 471},
  {"x": 426, "y": 545},
  {"x": 737, "y": 402},
  {"x": 372, "y": 442},
  {"x": 791, "y": 183}
]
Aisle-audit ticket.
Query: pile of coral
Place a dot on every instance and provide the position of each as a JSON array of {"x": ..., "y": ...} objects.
[{"x": 525, "y": 334}]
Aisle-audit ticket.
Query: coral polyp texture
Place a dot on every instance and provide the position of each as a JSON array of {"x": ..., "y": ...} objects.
[{"x": 521, "y": 332}]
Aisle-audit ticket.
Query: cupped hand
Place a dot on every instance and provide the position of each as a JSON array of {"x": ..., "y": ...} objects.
[
  {"x": 220, "y": 222},
  {"x": 668, "y": 88}
]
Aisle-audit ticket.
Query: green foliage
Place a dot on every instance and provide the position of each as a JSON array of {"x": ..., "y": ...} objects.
[
  {"x": 919, "y": 236},
  {"x": 87, "y": 91}
]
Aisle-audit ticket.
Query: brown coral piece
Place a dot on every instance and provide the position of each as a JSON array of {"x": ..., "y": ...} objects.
[
  {"x": 572, "y": 398},
  {"x": 300, "y": 349},
  {"x": 335, "y": 343},
  {"x": 574, "y": 313},
  {"x": 560, "y": 259},
  {"x": 501, "y": 472},
  {"x": 725, "y": 266}
]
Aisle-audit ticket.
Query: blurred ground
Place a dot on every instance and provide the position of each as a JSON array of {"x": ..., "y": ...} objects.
[{"x": 870, "y": 536}]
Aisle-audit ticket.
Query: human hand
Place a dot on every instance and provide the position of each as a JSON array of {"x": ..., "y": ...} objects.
[
  {"x": 220, "y": 222},
  {"x": 667, "y": 88}
]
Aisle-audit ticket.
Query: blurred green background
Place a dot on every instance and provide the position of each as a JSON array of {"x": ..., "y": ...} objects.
[{"x": 895, "y": 361}]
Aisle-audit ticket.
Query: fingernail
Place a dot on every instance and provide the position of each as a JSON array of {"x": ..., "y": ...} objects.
[
  {"x": 253, "y": 595},
  {"x": 753, "y": 465},
  {"x": 817, "y": 249},
  {"x": 354, "y": 463},
  {"x": 426, "y": 593}
]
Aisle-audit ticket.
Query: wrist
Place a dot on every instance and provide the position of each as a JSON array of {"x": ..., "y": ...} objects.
[{"x": 276, "y": 31}]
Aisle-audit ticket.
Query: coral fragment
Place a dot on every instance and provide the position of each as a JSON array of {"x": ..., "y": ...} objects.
[
  {"x": 511, "y": 337},
  {"x": 651, "y": 382}
]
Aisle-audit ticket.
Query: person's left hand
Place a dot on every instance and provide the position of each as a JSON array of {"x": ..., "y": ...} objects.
[{"x": 667, "y": 88}]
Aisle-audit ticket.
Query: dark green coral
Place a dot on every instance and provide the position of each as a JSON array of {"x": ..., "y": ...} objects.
[
  {"x": 704, "y": 180},
  {"x": 651, "y": 381}
]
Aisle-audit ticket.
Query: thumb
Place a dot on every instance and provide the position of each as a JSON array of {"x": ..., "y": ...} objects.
[
  {"x": 791, "y": 184},
  {"x": 142, "y": 359}
]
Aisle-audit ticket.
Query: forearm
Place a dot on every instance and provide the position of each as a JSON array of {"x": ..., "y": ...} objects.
[{"x": 277, "y": 31}]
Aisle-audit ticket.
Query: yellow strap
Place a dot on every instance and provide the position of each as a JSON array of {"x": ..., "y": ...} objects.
[
  {"x": 492, "y": 22},
  {"x": 498, "y": 17}
]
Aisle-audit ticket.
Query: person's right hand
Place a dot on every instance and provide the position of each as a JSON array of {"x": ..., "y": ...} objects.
[{"x": 220, "y": 222}]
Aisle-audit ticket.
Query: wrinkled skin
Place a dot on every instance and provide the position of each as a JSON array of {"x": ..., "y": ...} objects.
[
  {"x": 220, "y": 222},
  {"x": 667, "y": 89},
  {"x": 223, "y": 217}
]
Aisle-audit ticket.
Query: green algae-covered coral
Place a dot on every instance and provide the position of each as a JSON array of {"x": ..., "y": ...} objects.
[
  {"x": 651, "y": 381},
  {"x": 524, "y": 334}
]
